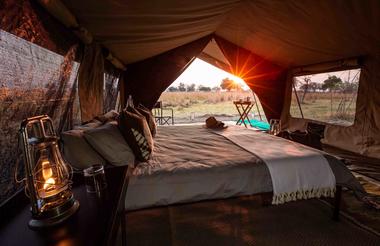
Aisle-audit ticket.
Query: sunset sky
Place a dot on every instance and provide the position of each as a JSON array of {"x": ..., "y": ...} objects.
[
  {"x": 352, "y": 75},
  {"x": 203, "y": 73}
]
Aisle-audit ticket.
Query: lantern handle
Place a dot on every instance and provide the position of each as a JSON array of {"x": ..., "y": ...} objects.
[
  {"x": 17, "y": 165},
  {"x": 39, "y": 120},
  {"x": 26, "y": 191},
  {"x": 16, "y": 172}
]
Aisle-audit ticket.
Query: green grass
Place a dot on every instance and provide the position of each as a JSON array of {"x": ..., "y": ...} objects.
[
  {"x": 325, "y": 109},
  {"x": 202, "y": 108},
  {"x": 197, "y": 106}
]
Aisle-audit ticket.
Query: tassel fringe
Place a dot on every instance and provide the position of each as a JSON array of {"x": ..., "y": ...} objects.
[{"x": 303, "y": 194}]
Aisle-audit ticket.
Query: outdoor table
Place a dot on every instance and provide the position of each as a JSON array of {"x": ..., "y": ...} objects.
[{"x": 244, "y": 108}]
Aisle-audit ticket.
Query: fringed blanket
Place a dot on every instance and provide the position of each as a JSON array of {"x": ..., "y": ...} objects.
[{"x": 297, "y": 172}]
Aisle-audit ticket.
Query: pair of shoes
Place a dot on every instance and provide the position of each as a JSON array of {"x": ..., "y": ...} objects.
[{"x": 211, "y": 122}]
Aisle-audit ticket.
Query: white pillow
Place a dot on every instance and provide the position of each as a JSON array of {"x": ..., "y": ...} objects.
[
  {"x": 110, "y": 144},
  {"x": 78, "y": 152}
]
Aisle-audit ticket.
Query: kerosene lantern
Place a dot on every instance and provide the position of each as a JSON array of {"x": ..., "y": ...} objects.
[{"x": 48, "y": 177}]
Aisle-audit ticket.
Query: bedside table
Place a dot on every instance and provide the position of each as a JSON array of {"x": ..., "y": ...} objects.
[{"x": 97, "y": 221}]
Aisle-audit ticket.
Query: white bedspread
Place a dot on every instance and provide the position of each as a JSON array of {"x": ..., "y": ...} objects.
[
  {"x": 305, "y": 173},
  {"x": 190, "y": 164}
]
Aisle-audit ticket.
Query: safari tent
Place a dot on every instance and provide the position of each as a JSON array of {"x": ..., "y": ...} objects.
[{"x": 76, "y": 60}]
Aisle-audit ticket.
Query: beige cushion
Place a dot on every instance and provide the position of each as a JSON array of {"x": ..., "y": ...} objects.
[
  {"x": 89, "y": 125},
  {"x": 110, "y": 144},
  {"x": 78, "y": 152},
  {"x": 107, "y": 117}
]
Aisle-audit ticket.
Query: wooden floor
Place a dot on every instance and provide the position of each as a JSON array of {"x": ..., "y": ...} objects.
[{"x": 244, "y": 221}]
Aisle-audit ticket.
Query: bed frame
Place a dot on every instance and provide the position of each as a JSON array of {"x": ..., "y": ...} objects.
[{"x": 337, "y": 201}]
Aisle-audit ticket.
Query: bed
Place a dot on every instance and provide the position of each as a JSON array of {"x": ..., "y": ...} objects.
[{"x": 192, "y": 163}]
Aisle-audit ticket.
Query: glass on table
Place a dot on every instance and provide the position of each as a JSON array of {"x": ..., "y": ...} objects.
[
  {"x": 275, "y": 126},
  {"x": 95, "y": 179}
]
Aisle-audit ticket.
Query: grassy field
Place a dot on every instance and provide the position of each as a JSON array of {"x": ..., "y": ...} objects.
[
  {"x": 197, "y": 106},
  {"x": 334, "y": 108}
]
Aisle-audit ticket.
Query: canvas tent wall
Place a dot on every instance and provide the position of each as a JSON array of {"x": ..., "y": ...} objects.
[
  {"x": 289, "y": 33},
  {"x": 38, "y": 75},
  {"x": 272, "y": 36},
  {"x": 35, "y": 78}
]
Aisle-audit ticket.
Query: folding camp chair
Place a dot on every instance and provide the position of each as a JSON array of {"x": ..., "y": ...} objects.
[{"x": 160, "y": 117}]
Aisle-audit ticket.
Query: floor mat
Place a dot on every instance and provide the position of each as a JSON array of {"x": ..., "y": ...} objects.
[
  {"x": 359, "y": 211},
  {"x": 364, "y": 165},
  {"x": 244, "y": 221},
  {"x": 366, "y": 170}
]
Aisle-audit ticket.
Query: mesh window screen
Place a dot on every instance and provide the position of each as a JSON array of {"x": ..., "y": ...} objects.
[
  {"x": 33, "y": 81},
  {"x": 111, "y": 86}
]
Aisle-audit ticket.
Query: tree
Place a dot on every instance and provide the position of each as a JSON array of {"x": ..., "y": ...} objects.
[
  {"x": 226, "y": 84},
  {"x": 229, "y": 84},
  {"x": 190, "y": 88},
  {"x": 314, "y": 86},
  {"x": 332, "y": 83},
  {"x": 172, "y": 89},
  {"x": 181, "y": 87},
  {"x": 216, "y": 88},
  {"x": 204, "y": 88},
  {"x": 350, "y": 87},
  {"x": 305, "y": 87}
]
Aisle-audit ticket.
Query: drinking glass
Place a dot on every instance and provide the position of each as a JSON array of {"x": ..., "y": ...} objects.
[
  {"x": 95, "y": 179},
  {"x": 275, "y": 126}
]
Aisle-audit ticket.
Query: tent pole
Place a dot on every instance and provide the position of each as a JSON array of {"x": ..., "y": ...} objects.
[
  {"x": 298, "y": 100},
  {"x": 257, "y": 106}
]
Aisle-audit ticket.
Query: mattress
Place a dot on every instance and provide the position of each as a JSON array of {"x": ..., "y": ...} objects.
[{"x": 192, "y": 163}]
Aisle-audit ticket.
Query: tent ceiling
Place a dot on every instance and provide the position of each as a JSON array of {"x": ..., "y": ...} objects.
[
  {"x": 299, "y": 32},
  {"x": 134, "y": 30},
  {"x": 212, "y": 49},
  {"x": 291, "y": 32},
  {"x": 213, "y": 55}
]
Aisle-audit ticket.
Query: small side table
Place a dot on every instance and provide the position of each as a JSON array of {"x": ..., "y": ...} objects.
[
  {"x": 243, "y": 107},
  {"x": 97, "y": 221}
]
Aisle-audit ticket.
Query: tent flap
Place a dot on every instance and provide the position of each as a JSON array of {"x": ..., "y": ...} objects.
[
  {"x": 266, "y": 79},
  {"x": 147, "y": 79},
  {"x": 91, "y": 81}
]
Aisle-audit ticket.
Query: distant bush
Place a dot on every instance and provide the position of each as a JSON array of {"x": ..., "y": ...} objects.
[
  {"x": 178, "y": 98},
  {"x": 204, "y": 88},
  {"x": 173, "y": 89}
]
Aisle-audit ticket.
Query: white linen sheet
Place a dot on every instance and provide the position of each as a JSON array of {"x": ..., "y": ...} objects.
[{"x": 192, "y": 163}]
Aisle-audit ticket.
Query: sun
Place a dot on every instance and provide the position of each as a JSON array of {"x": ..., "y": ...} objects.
[
  {"x": 203, "y": 73},
  {"x": 237, "y": 79}
]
